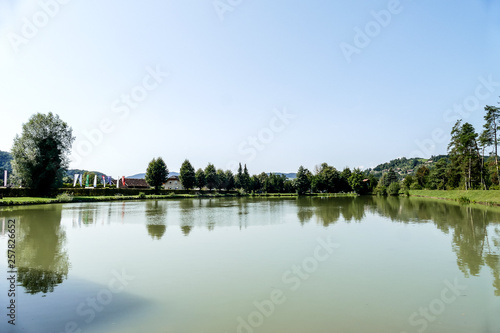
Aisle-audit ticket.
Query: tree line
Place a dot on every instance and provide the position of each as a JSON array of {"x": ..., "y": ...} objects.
[
  {"x": 467, "y": 166},
  {"x": 325, "y": 179}
]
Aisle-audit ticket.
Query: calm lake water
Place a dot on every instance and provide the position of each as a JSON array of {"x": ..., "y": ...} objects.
[{"x": 344, "y": 265}]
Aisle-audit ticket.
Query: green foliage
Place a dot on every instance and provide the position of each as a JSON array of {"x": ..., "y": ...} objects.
[
  {"x": 64, "y": 197},
  {"x": 464, "y": 154},
  {"x": 40, "y": 154},
  {"x": 200, "y": 178},
  {"x": 229, "y": 180},
  {"x": 303, "y": 181},
  {"x": 326, "y": 179},
  {"x": 381, "y": 190},
  {"x": 357, "y": 183},
  {"x": 157, "y": 173},
  {"x": 393, "y": 189},
  {"x": 142, "y": 195},
  {"x": 210, "y": 176},
  {"x": 187, "y": 175},
  {"x": 5, "y": 162},
  {"x": 422, "y": 176},
  {"x": 464, "y": 200},
  {"x": 221, "y": 180}
]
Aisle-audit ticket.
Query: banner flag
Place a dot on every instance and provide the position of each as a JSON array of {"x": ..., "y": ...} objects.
[
  {"x": 123, "y": 181},
  {"x": 95, "y": 180},
  {"x": 75, "y": 179},
  {"x": 110, "y": 180},
  {"x": 118, "y": 182},
  {"x": 104, "y": 180},
  {"x": 5, "y": 178},
  {"x": 87, "y": 181},
  {"x": 80, "y": 176}
]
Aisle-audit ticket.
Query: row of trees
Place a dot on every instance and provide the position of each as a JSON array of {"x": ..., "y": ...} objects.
[{"x": 325, "y": 179}]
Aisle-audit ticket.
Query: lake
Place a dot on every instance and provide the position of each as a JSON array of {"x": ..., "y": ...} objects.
[{"x": 364, "y": 264}]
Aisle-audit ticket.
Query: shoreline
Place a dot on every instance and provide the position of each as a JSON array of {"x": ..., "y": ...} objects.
[{"x": 26, "y": 201}]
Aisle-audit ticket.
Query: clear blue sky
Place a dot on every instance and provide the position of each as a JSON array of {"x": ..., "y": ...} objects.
[{"x": 344, "y": 97}]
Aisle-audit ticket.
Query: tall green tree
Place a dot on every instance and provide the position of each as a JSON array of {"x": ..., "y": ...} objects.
[
  {"x": 229, "y": 180},
  {"x": 238, "y": 177},
  {"x": 157, "y": 173},
  {"x": 464, "y": 152},
  {"x": 210, "y": 176},
  {"x": 303, "y": 181},
  {"x": 187, "y": 175},
  {"x": 490, "y": 133},
  {"x": 40, "y": 154},
  {"x": 422, "y": 175},
  {"x": 391, "y": 177},
  {"x": 221, "y": 180},
  {"x": 438, "y": 176},
  {"x": 200, "y": 178},
  {"x": 245, "y": 179},
  {"x": 344, "y": 180}
]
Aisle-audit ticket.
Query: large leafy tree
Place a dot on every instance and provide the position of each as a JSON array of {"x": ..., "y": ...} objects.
[
  {"x": 221, "y": 180},
  {"x": 327, "y": 178},
  {"x": 40, "y": 154},
  {"x": 187, "y": 175},
  {"x": 157, "y": 173},
  {"x": 303, "y": 180},
  {"x": 210, "y": 176},
  {"x": 200, "y": 178},
  {"x": 357, "y": 183}
]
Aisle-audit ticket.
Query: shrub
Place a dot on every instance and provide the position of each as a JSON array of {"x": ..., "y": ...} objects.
[
  {"x": 415, "y": 186},
  {"x": 381, "y": 190},
  {"x": 142, "y": 195},
  {"x": 393, "y": 189},
  {"x": 464, "y": 200},
  {"x": 64, "y": 197}
]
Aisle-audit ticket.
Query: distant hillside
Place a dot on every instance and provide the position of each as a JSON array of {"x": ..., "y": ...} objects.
[
  {"x": 5, "y": 159},
  {"x": 406, "y": 166},
  {"x": 143, "y": 175}
]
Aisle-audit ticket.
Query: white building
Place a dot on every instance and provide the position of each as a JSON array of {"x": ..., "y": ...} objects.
[{"x": 173, "y": 183}]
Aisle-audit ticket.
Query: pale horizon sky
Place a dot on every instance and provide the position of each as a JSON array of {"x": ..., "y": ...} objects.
[{"x": 273, "y": 85}]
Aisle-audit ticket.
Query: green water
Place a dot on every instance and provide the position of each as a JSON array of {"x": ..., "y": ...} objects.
[{"x": 362, "y": 264}]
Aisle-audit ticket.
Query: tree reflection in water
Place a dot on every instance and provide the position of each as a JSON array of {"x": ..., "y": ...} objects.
[
  {"x": 467, "y": 224},
  {"x": 40, "y": 255}
]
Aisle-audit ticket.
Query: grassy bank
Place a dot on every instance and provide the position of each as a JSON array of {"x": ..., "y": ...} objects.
[
  {"x": 491, "y": 197},
  {"x": 16, "y": 201}
]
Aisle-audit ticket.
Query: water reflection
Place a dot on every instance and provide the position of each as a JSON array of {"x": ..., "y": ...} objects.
[
  {"x": 156, "y": 212},
  {"x": 40, "y": 255},
  {"x": 471, "y": 243}
]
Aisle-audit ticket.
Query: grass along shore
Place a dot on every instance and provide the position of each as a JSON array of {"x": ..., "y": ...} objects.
[
  {"x": 491, "y": 197},
  {"x": 65, "y": 198}
]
